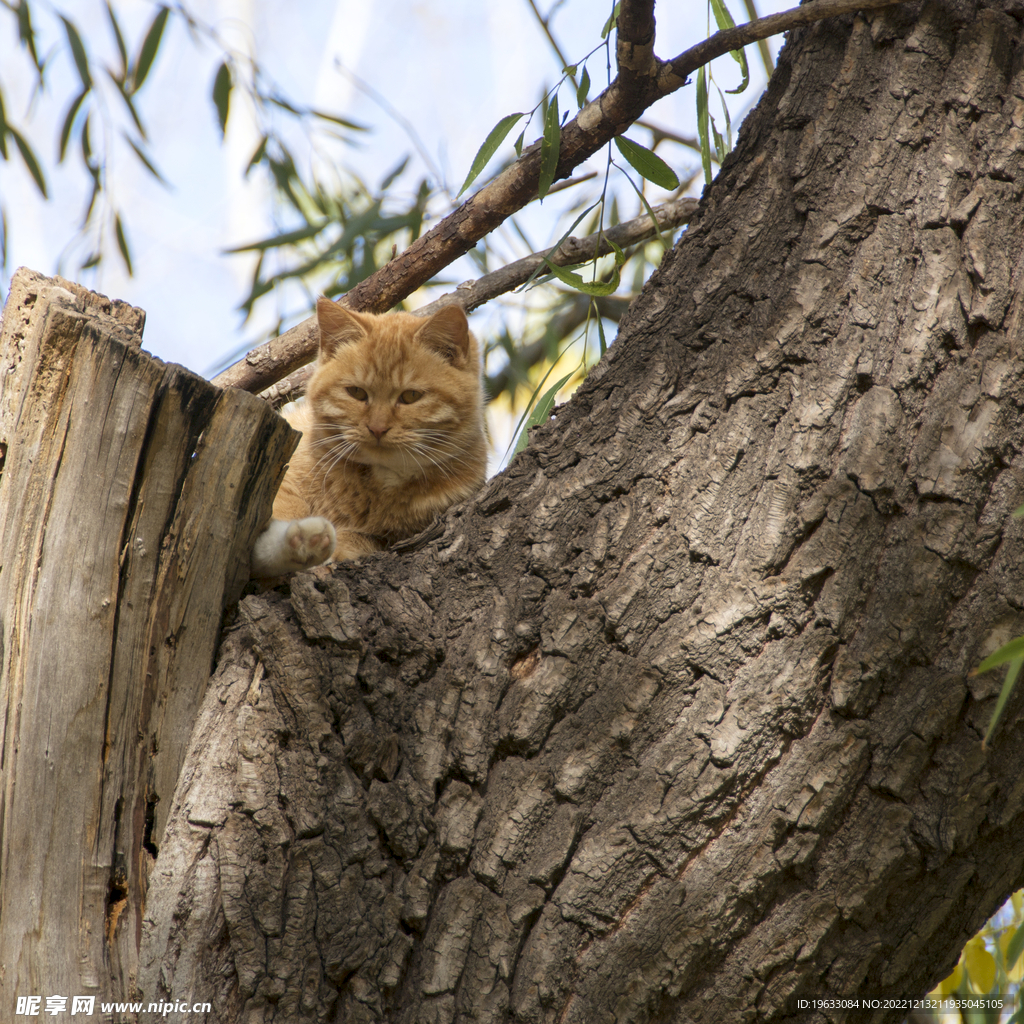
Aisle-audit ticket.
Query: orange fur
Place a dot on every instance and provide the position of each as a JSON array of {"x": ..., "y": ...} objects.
[{"x": 392, "y": 426}]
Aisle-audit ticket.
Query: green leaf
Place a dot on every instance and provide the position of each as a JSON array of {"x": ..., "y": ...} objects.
[
  {"x": 92, "y": 261},
  {"x": 647, "y": 163},
  {"x": 3, "y": 128},
  {"x": 125, "y": 94},
  {"x": 78, "y": 53},
  {"x": 92, "y": 200},
  {"x": 87, "y": 146},
  {"x": 549, "y": 146},
  {"x": 724, "y": 21},
  {"x": 728, "y": 121},
  {"x": 1014, "y": 948},
  {"x": 334, "y": 119},
  {"x": 542, "y": 410},
  {"x": 740, "y": 56},
  {"x": 145, "y": 161},
  {"x": 519, "y": 152},
  {"x": 1012, "y": 672},
  {"x": 392, "y": 176},
  {"x": 288, "y": 238},
  {"x": 258, "y": 154},
  {"x": 494, "y": 139},
  {"x": 570, "y": 70},
  {"x": 122, "y": 243},
  {"x": 119, "y": 39},
  {"x": 647, "y": 207},
  {"x": 720, "y": 150},
  {"x": 1010, "y": 650},
  {"x": 30, "y": 159},
  {"x": 280, "y": 101},
  {"x": 600, "y": 334},
  {"x": 147, "y": 52},
  {"x": 611, "y": 22},
  {"x": 583, "y": 89},
  {"x": 702, "y": 122},
  {"x": 222, "y": 95},
  {"x": 69, "y": 120},
  {"x": 577, "y": 283},
  {"x": 572, "y": 227},
  {"x": 27, "y": 34}
]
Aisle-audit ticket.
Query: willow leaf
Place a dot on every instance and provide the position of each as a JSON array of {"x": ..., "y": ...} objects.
[
  {"x": 122, "y": 243},
  {"x": 78, "y": 53},
  {"x": 119, "y": 39},
  {"x": 494, "y": 139},
  {"x": 222, "y": 95},
  {"x": 30, "y": 159},
  {"x": 148, "y": 50},
  {"x": 549, "y": 147},
  {"x": 647, "y": 163},
  {"x": 725, "y": 21},
  {"x": 702, "y": 122},
  {"x": 69, "y": 120},
  {"x": 542, "y": 410},
  {"x": 1012, "y": 672},
  {"x": 584, "y": 88}
]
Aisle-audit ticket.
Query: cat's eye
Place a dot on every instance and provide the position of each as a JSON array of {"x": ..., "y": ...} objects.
[
  {"x": 357, "y": 393},
  {"x": 408, "y": 397}
]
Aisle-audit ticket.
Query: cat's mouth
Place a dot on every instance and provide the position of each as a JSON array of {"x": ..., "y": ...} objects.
[
  {"x": 397, "y": 458},
  {"x": 380, "y": 452}
]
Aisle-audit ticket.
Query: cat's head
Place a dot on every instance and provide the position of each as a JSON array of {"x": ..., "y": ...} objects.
[{"x": 397, "y": 390}]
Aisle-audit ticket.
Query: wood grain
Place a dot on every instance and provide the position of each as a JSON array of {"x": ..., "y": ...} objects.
[{"x": 130, "y": 494}]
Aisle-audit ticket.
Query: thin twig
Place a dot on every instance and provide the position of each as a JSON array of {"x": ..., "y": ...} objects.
[
  {"x": 551, "y": 39},
  {"x": 403, "y": 122},
  {"x": 663, "y": 133}
]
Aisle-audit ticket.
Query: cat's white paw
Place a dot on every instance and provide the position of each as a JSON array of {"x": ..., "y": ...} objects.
[
  {"x": 310, "y": 541},
  {"x": 288, "y": 546}
]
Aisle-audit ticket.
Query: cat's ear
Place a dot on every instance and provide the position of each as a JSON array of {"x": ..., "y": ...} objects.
[
  {"x": 447, "y": 334},
  {"x": 338, "y": 326}
]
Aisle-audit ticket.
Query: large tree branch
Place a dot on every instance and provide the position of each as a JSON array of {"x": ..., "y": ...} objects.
[{"x": 642, "y": 80}]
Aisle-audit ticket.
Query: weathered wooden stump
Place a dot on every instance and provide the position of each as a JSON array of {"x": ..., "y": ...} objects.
[{"x": 130, "y": 494}]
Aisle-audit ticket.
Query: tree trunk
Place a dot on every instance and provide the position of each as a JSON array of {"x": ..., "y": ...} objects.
[
  {"x": 130, "y": 495},
  {"x": 674, "y": 721}
]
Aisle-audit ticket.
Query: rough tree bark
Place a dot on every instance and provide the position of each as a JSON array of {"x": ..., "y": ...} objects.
[{"x": 674, "y": 722}]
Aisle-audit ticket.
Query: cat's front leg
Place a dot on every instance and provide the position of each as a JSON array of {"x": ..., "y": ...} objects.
[
  {"x": 288, "y": 545},
  {"x": 352, "y": 544}
]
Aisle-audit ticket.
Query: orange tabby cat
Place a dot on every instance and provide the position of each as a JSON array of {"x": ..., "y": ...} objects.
[{"x": 392, "y": 434}]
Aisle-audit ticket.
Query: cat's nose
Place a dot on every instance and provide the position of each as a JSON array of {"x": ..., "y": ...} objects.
[{"x": 378, "y": 433}]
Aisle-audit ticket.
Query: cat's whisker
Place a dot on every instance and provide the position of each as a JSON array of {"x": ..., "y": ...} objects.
[
  {"x": 413, "y": 449},
  {"x": 331, "y": 458},
  {"x": 448, "y": 468},
  {"x": 419, "y": 465}
]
